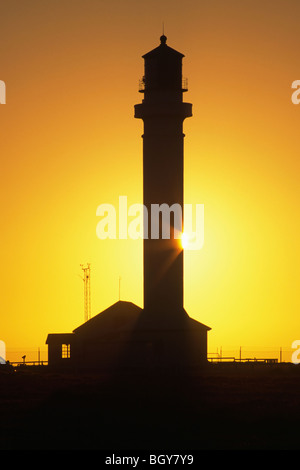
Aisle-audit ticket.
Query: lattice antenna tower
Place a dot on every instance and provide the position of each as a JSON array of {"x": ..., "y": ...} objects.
[{"x": 87, "y": 290}]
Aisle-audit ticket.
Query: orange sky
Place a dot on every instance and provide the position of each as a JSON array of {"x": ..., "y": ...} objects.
[{"x": 69, "y": 142}]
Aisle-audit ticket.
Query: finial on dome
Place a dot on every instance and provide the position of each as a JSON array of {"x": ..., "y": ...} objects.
[{"x": 163, "y": 39}]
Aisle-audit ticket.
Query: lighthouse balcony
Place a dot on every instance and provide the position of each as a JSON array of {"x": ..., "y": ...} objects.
[
  {"x": 184, "y": 84},
  {"x": 142, "y": 85}
]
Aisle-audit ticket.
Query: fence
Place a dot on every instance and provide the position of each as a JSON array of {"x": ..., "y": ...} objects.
[
  {"x": 280, "y": 354},
  {"x": 243, "y": 354}
]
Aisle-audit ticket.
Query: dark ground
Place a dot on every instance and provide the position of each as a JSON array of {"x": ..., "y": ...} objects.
[{"x": 244, "y": 406}]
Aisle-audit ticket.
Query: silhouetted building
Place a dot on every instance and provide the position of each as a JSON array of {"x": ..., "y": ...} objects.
[
  {"x": 99, "y": 342},
  {"x": 162, "y": 333}
]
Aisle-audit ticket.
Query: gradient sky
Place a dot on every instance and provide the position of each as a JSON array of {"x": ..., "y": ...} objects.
[{"x": 69, "y": 143}]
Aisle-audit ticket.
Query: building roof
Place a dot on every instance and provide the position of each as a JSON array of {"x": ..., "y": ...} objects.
[
  {"x": 169, "y": 321},
  {"x": 59, "y": 338},
  {"x": 162, "y": 49},
  {"x": 120, "y": 316},
  {"x": 126, "y": 316}
]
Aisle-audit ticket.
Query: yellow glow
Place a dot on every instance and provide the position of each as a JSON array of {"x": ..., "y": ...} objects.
[{"x": 184, "y": 240}]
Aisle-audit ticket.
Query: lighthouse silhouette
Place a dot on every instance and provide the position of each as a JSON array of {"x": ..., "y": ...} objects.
[
  {"x": 181, "y": 339},
  {"x": 161, "y": 334},
  {"x": 163, "y": 112}
]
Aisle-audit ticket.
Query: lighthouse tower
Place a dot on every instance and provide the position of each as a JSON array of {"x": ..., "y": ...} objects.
[
  {"x": 163, "y": 112},
  {"x": 172, "y": 336}
]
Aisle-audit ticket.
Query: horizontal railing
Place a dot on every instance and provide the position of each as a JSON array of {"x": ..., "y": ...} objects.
[
  {"x": 142, "y": 85},
  {"x": 184, "y": 84},
  {"x": 234, "y": 359},
  {"x": 26, "y": 363}
]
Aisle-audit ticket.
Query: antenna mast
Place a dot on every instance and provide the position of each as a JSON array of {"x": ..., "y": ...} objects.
[{"x": 87, "y": 290}]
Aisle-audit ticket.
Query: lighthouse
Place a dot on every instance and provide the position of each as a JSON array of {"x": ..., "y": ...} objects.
[
  {"x": 173, "y": 336},
  {"x": 163, "y": 112},
  {"x": 161, "y": 334}
]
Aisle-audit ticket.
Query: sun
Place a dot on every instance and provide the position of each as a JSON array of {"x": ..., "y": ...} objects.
[{"x": 184, "y": 240}]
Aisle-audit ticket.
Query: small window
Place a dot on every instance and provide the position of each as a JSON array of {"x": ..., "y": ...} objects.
[{"x": 65, "y": 351}]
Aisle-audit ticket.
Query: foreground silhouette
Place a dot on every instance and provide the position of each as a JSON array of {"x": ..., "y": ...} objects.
[{"x": 239, "y": 406}]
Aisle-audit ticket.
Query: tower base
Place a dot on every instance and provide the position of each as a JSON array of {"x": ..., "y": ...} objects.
[{"x": 124, "y": 336}]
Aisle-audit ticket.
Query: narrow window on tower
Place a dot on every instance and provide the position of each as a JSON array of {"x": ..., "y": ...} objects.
[{"x": 65, "y": 351}]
